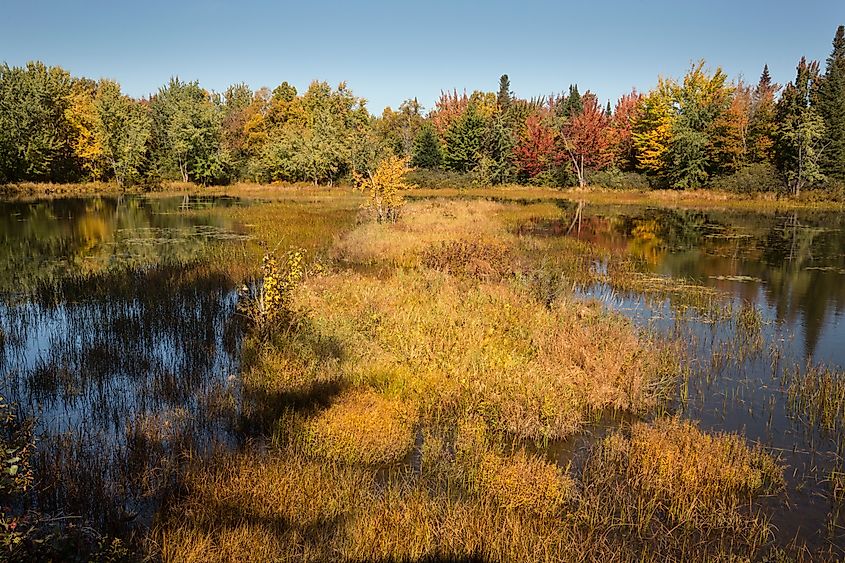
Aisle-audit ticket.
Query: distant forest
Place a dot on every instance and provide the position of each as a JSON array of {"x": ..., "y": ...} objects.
[{"x": 700, "y": 131}]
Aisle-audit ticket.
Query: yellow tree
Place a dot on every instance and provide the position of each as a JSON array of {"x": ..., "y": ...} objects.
[
  {"x": 652, "y": 128},
  {"x": 384, "y": 187},
  {"x": 85, "y": 140}
]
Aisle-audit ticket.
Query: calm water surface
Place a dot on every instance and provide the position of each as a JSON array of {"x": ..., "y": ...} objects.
[
  {"x": 791, "y": 267},
  {"x": 117, "y": 339}
]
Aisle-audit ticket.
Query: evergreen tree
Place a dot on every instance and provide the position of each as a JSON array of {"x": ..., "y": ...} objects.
[
  {"x": 761, "y": 121},
  {"x": 498, "y": 152},
  {"x": 505, "y": 96},
  {"x": 831, "y": 106},
  {"x": 426, "y": 148},
  {"x": 464, "y": 140},
  {"x": 801, "y": 130},
  {"x": 574, "y": 104}
]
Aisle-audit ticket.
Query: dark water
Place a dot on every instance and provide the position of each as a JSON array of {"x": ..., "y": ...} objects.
[
  {"x": 790, "y": 266},
  {"x": 120, "y": 340}
]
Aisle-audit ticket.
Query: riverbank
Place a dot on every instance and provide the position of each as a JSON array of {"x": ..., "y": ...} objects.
[{"x": 685, "y": 199}]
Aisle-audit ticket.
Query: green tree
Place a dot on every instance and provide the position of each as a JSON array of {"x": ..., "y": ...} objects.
[
  {"x": 505, "y": 96},
  {"x": 426, "y": 148},
  {"x": 464, "y": 140},
  {"x": 831, "y": 107},
  {"x": 801, "y": 130},
  {"x": 124, "y": 127},
  {"x": 188, "y": 132},
  {"x": 34, "y": 130},
  {"x": 497, "y": 161},
  {"x": 699, "y": 101}
]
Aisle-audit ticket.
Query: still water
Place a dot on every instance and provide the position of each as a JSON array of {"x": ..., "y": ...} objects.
[
  {"x": 118, "y": 340},
  {"x": 790, "y": 266}
]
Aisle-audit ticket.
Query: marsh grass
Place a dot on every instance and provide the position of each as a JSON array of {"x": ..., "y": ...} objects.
[
  {"x": 816, "y": 394},
  {"x": 361, "y": 427},
  {"x": 530, "y": 370},
  {"x": 405, "y": 416},
  {"x": 481, "y": 504}
]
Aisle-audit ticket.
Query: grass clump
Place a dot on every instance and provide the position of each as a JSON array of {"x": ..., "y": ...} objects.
[
  {"x": 817, "y": 395},
  {"x": 423, "y": 225},
  {"x": 361, "y": 427},
  {"x": 524, "y": 482},
  {"x": 530, "y": 370},
  {"x": 691, "y": 475},
  {"x": 470, "y": 258}
]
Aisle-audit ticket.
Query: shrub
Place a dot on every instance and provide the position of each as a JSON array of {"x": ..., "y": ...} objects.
[
  {"x": 751, "y": 179},
  {"x": 270, "y": 305},
  {"x": 383, "y": 187},
  {"x": 616, "y": 179},
  {"x": 434, "y": 178}
]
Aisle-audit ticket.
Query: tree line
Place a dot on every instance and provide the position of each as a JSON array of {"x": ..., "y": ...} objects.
[{"x": 698, "y": 131}]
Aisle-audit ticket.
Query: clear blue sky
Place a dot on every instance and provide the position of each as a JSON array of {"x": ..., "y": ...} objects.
[{"x": 389, "y": 51}]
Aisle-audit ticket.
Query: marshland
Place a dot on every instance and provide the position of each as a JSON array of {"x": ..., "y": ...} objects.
[
  {"x": 599, "y": 320},
  {"x": 275, "y": 375}
]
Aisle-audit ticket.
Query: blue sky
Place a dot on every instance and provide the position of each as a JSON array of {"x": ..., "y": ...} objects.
[{"x": 389, "y": 51}]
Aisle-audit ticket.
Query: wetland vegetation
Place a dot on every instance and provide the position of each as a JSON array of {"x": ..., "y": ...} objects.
[
  {"x": 286, "y": 378},
  {"x": 271, "y": 326}
]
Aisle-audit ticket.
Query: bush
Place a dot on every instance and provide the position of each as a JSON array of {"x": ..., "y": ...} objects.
[
  {"x": 751, "y": 179},
  {"x": 616, "y": 179}
]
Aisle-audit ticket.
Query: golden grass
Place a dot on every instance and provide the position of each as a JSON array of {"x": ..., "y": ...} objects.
[
  {"x": 475, "y": 359},
  {"x": 693, "y": 475},
  {"x": 361, "y": 427},
  {"x": 423, "y": 225},
  {"x": 282, "y": 508},
  {"x": 530, "y": 370},
  {"x": 524, "y": 482},
  {"x": 285, "y": 507}
]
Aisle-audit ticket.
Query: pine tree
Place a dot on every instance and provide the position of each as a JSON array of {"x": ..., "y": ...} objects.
[
  {"x": 426, "y": 148},
  {"x": 497, "y": 150},
  {"x": 831, "y": 106},
  {"x": 464, "y": 140},
  {"x": 574, "y": 104},
  {"x": 761, "y": 121},
  {"x": 801, "y": 130},
  {"x": 504, "y": 97}
]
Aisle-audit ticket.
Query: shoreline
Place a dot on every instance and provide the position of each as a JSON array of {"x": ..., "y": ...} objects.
[{"x": 700, "y": 198}]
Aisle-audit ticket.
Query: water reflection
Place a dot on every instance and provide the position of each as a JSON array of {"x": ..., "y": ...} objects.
[
  {"x": 121, "y": 337},
  {"x": 792, "y": 264}
]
